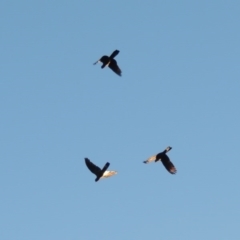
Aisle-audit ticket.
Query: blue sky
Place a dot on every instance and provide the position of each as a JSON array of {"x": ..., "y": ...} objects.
[{"x": 179, "y": 87}]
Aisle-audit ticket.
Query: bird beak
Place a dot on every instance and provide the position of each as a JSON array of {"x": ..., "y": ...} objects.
[{"x": 96, "y": 62}]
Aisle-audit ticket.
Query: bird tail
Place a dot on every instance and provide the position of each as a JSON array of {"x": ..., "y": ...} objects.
[
  {"x": 97, "y": 178},
  {"x": 145, "y": 161}
]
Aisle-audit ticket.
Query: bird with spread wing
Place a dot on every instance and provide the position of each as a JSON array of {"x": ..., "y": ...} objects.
[
  {"x": 100, "y": 173},
  {"x": 110, "y": 62},
  {"x": 162, "y": 156}
]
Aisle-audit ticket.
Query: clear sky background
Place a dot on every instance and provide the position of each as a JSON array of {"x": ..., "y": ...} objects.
[{"x": 180, "y": 87}]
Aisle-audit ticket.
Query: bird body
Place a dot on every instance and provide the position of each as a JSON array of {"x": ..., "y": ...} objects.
[
  {"x": 110, "y": 62},
  {"x": 107, "y": 174},
  {"x": 164, "y": 159},
  {"x": 100, "y": 173}
]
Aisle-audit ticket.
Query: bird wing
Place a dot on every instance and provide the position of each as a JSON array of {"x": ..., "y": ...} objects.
[
  {"x": 113, "y": 65},
  {"x": 114, "y": 54},
  {"x": 168, "y": 164},
  {"x": 151, "y": 159},
  {"x": 92, "y": 167}
]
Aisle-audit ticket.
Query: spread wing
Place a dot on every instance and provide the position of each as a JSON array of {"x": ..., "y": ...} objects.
[
  {"x": 92, "y": 167},
  {"x": 151, "y": 159},
  {"x": 113, "y": 65},
  {"x": 114, "y": 54},
  {"x": 168, "y": 164}
]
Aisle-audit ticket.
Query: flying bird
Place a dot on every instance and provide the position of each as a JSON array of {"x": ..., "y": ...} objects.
[
  {"x": 110, "y": 62},
  {"x": 164, "y": 159},
  {"x": 100, "y": 173}
]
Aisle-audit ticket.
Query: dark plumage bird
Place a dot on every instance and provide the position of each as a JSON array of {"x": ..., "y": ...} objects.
[
  {"x": 100, "y": 173},
  {"x": 164, "y": 159},
  {"x": 110, "y": 62}
]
